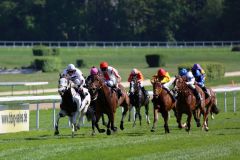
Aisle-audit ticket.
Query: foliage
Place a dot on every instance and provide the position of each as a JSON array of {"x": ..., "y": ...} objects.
[
  {"x": 213, "y": 70},
  {"x": 47, "y": 64},
  {"x": 114, "y": 20},
  {"x": 155, "y": 60},
  {"x": 235, "y": 48},
  {"x": 45, "y": 51}
]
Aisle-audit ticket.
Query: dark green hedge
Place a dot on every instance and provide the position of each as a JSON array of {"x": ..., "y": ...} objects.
[
  {"x": 80, "y": 63},
  {"x": 213, "y": 70},
  {"x": 45, "y": 51},
  {"x": 236, "y": 48},
  {"x": 155, "y": 60},
  {"x": 47, "y": 64}
]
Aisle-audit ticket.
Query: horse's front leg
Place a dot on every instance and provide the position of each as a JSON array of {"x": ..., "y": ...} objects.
[
  {"x": 98, "y": 115},
  {"x": 60, "y": 114},
  {"x": 155, "y": 114},
  {"x": 147, "y": 114},
  {"x": 197, "y": 118},
  {"x": 189, "y": 117},
  {"x": 123, "y": 116},
  {"x": 179, "y": 119},
  {"x": 165, "y": 115},
  {"x": 205, "y": 121}
]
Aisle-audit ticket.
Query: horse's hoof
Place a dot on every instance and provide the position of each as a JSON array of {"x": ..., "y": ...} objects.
[
  {"x": 56, "y": 133},
  {"x": 187, "y": 130},
  {"x": 205, "y": 129},
  {"x": 108, "y": 132},
  {"x": 152, "y": 130},
  {"x": 198, "y": 124},
  {"x": 93, "y": 133},
  {"x": 167, "y": 131},
  {"x": 121, "y": 126},
  {"x": 184, "y": 125},
  {"x": 114, "y": 129},
  {"x": 78, "y": 127},
  {"x": 212, "y": 117},
  {"x": 102, "y": 130}
]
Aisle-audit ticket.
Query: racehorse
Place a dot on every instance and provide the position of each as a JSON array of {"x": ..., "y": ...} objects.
[
  {"x": 107, "y": 102},
  {"x": 163, "y": 103},
  {"x": 72, "y": 105},
  {"x": 211, "y": 104},
  {"x": 187, "y": 103},
  {"x": 91, "y": 112},
  {"x": 137, "y": 99}
]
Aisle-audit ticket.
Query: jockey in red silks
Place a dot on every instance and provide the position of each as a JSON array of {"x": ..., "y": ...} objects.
[
  {"x": 135, "y": 73},
  {"x": 111, "y": 76},
  {"x": 164, "y": 78},
  {"x": 75, "y": 75}
]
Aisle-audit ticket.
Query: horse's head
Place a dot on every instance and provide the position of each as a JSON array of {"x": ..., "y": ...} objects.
[
  {"x": 180, "y": 83},
  {"x": 134, "y": 85},
  {"x": 157, "y": 87},
  {"x": 91, "y": 87},
  {"x": 63, "y": 85}
]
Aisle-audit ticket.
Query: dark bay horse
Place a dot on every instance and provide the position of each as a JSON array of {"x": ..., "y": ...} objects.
[
  {"x": 187, "y": 103},
  {"x": 163, "y": 103},
  {"x": 107, "y": 102},
  {"x": 137, "y": 100},
  {"x": 71, "y": 105}
]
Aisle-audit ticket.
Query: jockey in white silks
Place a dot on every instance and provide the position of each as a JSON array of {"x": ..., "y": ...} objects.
[{"x": 75, "y": 75}]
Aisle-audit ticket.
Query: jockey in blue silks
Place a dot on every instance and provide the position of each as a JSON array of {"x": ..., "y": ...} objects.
[
  {"x": 190, "y": 82},
  {"x": 199, "y": 75}
]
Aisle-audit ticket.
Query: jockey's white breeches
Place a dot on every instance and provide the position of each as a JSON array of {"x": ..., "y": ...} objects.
[{"x": 168, "y": 84}]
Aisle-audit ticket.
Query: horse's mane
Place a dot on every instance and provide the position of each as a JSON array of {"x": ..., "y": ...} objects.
[{"x": 182, "y": 87}]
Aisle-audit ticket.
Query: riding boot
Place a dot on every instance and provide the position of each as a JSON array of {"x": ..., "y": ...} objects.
[
  {"x": 197, "y": 94},
  {"x": 206, "y": 92},
  {"x": 119, "y": 92},
  {"x": 82, "y": 95},
  {"x": 171, "y": 94},
  {"x": 145, "y": 93}
]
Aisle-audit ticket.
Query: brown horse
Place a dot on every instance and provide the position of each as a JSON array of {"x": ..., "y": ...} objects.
[
  {"x": 137, "y": 100},
  {"x": 211, "y": 104},
  {"x": 107, "y": 102},
  {"x": 187, "y": 103},
  {"x": 163, "y": 103}
]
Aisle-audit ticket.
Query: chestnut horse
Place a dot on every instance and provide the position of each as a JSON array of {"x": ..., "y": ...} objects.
[
  {"x": 163, "y": 103},
  {"x": 137, "y": 100},
  {"x": 187, "y": 103},
  {"x": 107, "y": 102},
  {"x": 211, "y": 104}
]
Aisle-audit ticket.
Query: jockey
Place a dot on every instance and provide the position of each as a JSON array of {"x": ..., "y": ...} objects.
[
  {"x": 190, "y": 82},
  {"x": 199, "y": 75},
  {"x": 76, "y": 76},
  {"x": 135, "y": 73},
  {"x": 111, "y": 76},
  {"x": 165, "y": 79},
  {"x": 183, "y": 72},
  {"x": 93, "y": 72}
]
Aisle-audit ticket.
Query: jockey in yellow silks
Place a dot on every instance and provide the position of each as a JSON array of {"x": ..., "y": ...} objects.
[{"x": 165, "y": 79}]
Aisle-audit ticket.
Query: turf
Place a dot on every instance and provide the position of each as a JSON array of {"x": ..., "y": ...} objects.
[{"x": 221, "y": 142}]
